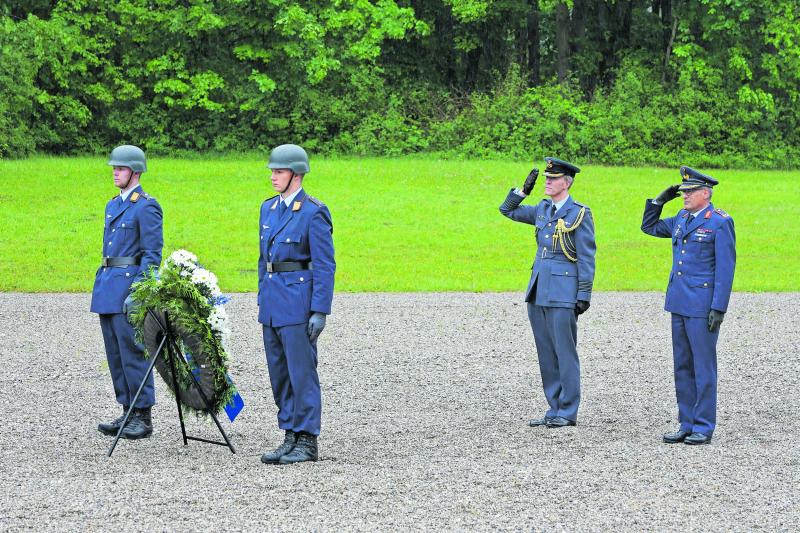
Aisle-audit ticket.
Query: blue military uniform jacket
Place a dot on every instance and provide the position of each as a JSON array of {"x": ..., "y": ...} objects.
[
  {"x": 304, "y": 233},
  {"x": 133, "y": 228},
  {"x": 703, "y": 258},
  {"x": 560, "y": 281}
]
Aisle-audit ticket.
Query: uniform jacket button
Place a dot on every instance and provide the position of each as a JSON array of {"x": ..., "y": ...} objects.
[
  {"x": 301, "y": 279},
  {"x": 270, "y": 276},
  {"x": 679, "y": 273}
]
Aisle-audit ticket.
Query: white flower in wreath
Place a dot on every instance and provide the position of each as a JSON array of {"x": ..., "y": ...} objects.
[
  {"x": 218, "y": 319},
  {"x": 184, "y": 260},
  {"x": 205, "y": 279}
]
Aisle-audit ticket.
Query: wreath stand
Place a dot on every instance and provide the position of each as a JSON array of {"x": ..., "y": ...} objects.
[{"x": 170, "y": 345}]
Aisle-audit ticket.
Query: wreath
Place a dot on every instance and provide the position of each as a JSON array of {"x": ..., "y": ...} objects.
[{"x": 186, "y": 294}]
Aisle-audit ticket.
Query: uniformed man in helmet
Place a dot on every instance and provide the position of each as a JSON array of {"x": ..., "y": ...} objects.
[
  {"x": 703, "y": 262},
  {"x": 295, "y": 289},
  {"x": 560, "y": 286},
  {"x": 132, "y": 244}
]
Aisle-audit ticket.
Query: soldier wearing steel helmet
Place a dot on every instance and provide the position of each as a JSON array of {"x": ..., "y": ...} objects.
[
  {"x": 295, "y": 289},
  {"x": 703, "y": 261},
  {"x": 132, "y": 244}
]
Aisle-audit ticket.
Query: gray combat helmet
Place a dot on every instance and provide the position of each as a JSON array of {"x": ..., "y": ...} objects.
[
  {"x": 289, "y": 156},
  {"x": 128, "y": 156}
]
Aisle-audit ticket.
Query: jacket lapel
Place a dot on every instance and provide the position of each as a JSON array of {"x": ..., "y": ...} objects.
[
  {"x": 280, "y": 224},
  {"x": 699, "y": 219},
  {"x": 561, "y": 213},
  {"x": 126, "y": 204}
]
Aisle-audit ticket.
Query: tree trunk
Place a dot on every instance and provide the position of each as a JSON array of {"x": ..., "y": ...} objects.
[
  {"x": 562, "y": 41},
  {"x": 533, "y": 43}
]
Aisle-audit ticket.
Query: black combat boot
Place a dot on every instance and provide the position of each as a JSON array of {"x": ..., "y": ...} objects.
[
  {"x": 111, "y": 428},
  {"x": 289, "y": 441},
  {"x": 304, "y": 450},
  {"x": 139, "y": 426}
]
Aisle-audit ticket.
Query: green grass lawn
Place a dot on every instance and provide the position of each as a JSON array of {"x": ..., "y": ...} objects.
[{"x": 399, "y": 224}]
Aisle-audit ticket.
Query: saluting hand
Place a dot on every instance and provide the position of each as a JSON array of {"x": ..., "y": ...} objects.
[
  {"x": 667, "y": 195},
  {"x": 530, "y": 181},
  {"x": 316, "y": 323}
]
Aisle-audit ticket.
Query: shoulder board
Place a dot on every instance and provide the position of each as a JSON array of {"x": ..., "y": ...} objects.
[
  {"x": 147, "y": 196},
  {"x": 722, "y": 213},
  {"x": 580, "y": 204},
  {"x": 114, "y": 197},
  {"x": 315, "y": 201},
  {"x": 271, "y": 198}
]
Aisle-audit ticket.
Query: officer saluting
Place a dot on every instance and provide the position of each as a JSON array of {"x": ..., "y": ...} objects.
[
  {"x": 295, "y": 290},
  {"x": 132, "y": 243},
  {"x": 560, "y": 287},
  {"x": 703, "y": 261}
]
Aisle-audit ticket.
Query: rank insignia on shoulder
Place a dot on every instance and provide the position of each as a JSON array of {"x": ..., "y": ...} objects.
[
  {"x": 135, "y": 197},
  {"x": 296, "y": 206},
  {"x": 314, "y": 201},
  {"x": 721, "y": 212},
  {"x": 115, "y": 197}
]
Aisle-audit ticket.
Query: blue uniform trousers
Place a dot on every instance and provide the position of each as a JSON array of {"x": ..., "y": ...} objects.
[
  {"x": 126, "y": 361},
  {"x": 694, "y": 352},
  {"x": 555, "y": 331},
  {"x": 292, "y": 364}
]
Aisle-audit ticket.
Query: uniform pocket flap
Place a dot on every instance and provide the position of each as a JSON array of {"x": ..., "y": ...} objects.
[
  {"x": 560, "y": 272},
  {"x": 700, "y": 282},
  {"x": 289, "y": 238},
  {"x": 292, "y": 278}
]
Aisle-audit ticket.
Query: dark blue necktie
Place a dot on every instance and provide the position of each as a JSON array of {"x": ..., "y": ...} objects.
[
  {"x": 281, "y": 208},
  {"x": 689, "y": 220}
]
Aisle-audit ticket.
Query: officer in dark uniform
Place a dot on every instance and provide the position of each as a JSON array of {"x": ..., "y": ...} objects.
[
  {"x": 132, "y": 244},
  {"x": 703, "y": 261},
  {"x": 295, "y": 289},
  {"x": 560, "y": 287}
]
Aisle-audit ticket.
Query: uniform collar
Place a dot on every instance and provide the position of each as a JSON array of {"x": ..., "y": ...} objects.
[
  {"x": 288, "y": 200},
  {"x": 124, "y": 195}
]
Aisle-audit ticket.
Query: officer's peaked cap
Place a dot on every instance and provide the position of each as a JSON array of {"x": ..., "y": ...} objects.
[
  {"x": 692, "y": 179},
  {"x": 556, "y": 168}
]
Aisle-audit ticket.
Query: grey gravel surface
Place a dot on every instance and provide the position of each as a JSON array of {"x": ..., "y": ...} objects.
[{"x": 426, "y": 399}]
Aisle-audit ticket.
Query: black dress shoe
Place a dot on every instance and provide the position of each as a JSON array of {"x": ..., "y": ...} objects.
[
  {"x": 111, "y": 428},
  {"x": 304, "y": 450},
  {"x": 676, "y": 436},
  {"x": 289, "y": 440},
  {"x": 697, "y": 438},
  {"x": 139, "y": 426},
  {"x": 539, "y": 421},
  {"x": 560, "y": 422}
]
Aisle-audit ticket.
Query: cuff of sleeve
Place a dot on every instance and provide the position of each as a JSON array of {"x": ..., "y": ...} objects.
[
  {"x": 519, "y": 193},
  {"x": 586, "y": 296}
]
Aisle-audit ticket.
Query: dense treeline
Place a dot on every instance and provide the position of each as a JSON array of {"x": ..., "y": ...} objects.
[{"x": 715, "y": 82}]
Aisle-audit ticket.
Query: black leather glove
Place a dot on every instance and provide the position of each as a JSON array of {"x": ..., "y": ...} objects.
[
  {"x": 530, "y": 181},
  {"x": 715, "y": 318},
  {"x": 315, "y": 325},
  {"x": 669, "y": 194},
  {"x": 581, "y": 306}
]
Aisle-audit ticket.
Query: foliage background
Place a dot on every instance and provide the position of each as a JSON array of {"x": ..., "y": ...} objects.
[
  {"x": 401, "y": 224},
  {"x": 713, "y": 83}
]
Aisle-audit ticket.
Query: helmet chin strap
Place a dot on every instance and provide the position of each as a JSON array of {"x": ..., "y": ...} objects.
[
  {"x": 130, "y": 177},
  {"x": 288, "y": 184}
]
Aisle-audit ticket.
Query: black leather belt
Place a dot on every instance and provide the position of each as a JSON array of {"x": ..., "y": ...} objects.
[
  {"x": 120, "y": 261},
  {"x": 289, "y": 266}
]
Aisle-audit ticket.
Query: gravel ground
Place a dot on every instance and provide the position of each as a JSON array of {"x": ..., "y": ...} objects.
[{"x": 426, "y": 399}]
